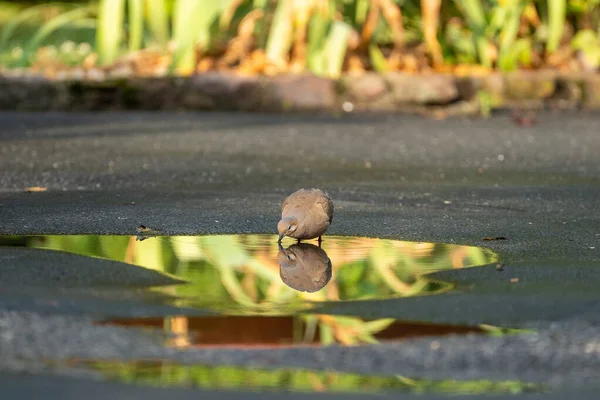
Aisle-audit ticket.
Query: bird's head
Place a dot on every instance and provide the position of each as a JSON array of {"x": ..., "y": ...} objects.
[{"x": 287, "y": 226}]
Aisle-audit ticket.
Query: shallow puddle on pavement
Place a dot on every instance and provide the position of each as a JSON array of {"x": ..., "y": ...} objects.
[
  {"x": 285, "y": 331},
  {"x": 267, "y": 291},
  {"x": 168, "y": 374},
  {"x": 255, "y": 272},
  {"x": 262, "y": 295}
]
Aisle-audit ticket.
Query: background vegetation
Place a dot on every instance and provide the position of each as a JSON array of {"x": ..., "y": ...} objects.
[{"x": 326, "y": 37}]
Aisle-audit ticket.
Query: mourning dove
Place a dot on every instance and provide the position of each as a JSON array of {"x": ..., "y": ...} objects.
[
  {"x": 305, "y": 214},
  {"x": 304, "y": 267}
]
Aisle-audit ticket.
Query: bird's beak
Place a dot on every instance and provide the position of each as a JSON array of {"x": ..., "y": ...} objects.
[{"x": 281, "y": 235}]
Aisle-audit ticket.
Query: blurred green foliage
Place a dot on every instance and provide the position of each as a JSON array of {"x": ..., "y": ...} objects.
[{"x": 309, "y": 34}]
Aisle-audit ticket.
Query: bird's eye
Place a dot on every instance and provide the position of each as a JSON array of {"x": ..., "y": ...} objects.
[
  {"x": 288, "y": 257},
  {"x": 289, "y": 227}
]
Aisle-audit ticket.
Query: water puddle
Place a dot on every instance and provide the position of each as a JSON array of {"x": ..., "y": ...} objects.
[
  {"x": 266, "y": 291},
  {"x": 285, "y": 331},
  {"x": 254, "y": 270},
  {"x": 167, "y": 374},
  {"x": 261, "y": 295}
]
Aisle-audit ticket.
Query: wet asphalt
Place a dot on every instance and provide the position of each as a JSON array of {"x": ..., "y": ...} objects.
[{"x": 402, "y": 177}]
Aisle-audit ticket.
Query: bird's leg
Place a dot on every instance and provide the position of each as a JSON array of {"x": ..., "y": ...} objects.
[{"x": 320, "y": 241}]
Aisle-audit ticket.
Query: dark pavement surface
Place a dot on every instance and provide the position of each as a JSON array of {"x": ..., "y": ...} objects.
[{"x": 454, "y": 181}]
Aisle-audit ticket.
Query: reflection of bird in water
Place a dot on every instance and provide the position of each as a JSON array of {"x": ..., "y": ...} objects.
[
  {"x": 304, "y": 267},
  {"x": 305, "y": 214}
]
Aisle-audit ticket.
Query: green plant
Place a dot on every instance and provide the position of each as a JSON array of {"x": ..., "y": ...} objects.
[
  {"x": 109, "y": 33},
  {"x": 475, "y": 16},
  {"x": 588, "y": 42},
  {"x": 321, "y": 36},
  {"x": 556, "y": 23}
]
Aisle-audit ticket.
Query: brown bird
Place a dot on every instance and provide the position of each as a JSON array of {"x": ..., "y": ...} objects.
[
  {"x": 304, "y": 267},
  {"x": 305, "y": 214}
]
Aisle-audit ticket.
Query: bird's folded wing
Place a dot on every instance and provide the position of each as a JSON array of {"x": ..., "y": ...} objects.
[{"x": 327, "y": 205}]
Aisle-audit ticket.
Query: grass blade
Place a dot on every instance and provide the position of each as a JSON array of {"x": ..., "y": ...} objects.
[
  {"x": 185, "y": 32},
  {"x": 508, "y": 34},
  {"x": 260, "y": 30},
  {"x": 206, "y": 17},
  {"x": 510, "y": 29},
  {"x": 110, "y": 30},
  {"x": 360, "y": 11},
  {"x": 158, "y": 23},
  {"x": 317, "y": 34},
  {"x": 556, "y": 23},
  {"x": 336, "y": 47},
  {"x": 136, "y": 24},
  {"x": 473, "y": 11},
  {"x": 12, "y": 25},
  {"x": 280, "y": 34},
  {"x": 378, "y": 60},
  {"x": 55, "y": 23}
]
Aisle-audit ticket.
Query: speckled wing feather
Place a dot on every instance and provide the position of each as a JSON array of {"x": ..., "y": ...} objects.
[{"x": 327, "y": 204}]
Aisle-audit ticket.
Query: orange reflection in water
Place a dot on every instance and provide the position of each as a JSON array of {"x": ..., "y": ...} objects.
[{"x": 271, "y": 331}]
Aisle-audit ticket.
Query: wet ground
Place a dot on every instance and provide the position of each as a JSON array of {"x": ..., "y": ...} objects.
[{"x": 530, "y": 194}]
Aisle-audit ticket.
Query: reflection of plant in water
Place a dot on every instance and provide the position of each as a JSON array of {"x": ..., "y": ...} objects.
[
  {"x": 240, "y": 273},
  {"x": 169, "y": 374}
]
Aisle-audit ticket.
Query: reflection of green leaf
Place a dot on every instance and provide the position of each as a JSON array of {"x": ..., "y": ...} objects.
[
  {"x": 367, "y": 338},
  {"x": 479, "y": 256},
  {"x": 149, "y": 254},
  {"x": 113, "y": 247},
  {"x": 352, "y": 283},
  {"x": 224, "y": 251},
  {"x": 170, "y": 374},
  {"x": 80, "y": 244},
  {"x": 187, "y": 248},
  {"x": 326, "y": 334},
  {"x": 500, "y": 331},
  {"x": 233, "y": 286},
  {"x": 351, "y": 274},
  {"x": 312, "y": 323},
  {"x": 377, "y": 325}
]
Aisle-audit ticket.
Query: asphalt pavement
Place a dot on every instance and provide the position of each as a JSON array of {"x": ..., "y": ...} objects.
[{"x": 402, "y": 177}]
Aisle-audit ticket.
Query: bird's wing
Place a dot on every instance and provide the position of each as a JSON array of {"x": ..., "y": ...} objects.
[
  {"x": 295, "y": 199},
  {"x": 298, "y": 201},
  {"x": 327, "y": 204}
]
